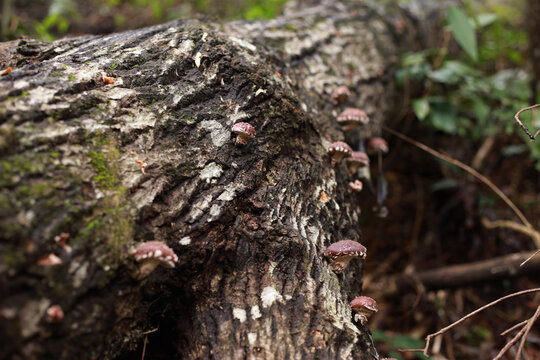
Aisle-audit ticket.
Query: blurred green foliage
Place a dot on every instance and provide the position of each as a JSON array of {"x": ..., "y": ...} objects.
[
  {"x": 399, "y": 342},
  {"x": 50, "y": 19},
  {"x": 474, "y": 95}
]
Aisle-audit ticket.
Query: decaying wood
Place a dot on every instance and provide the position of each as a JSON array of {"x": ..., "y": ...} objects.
[
  {"x": 465, "y": 274},
  {"x": 119, "y": 139}
]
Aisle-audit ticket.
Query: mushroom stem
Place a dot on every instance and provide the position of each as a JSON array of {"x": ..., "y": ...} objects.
[
  {"x": 340, "y": 263},
  {"x": 241, "y": 139},
  {"x": 147, "y": 267}
]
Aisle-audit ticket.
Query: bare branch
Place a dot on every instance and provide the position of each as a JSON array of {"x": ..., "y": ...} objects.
[
  {"x": 531, "y": 136},
  {"x": 468, "y": 169}
]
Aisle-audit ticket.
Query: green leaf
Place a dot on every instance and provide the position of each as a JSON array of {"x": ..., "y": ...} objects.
[
  {"x": 443, "y": 116},
  {"x": 483, "y": 20},
  {"x": 463, "y": 31},
  {"x": 420, "y": 108}
]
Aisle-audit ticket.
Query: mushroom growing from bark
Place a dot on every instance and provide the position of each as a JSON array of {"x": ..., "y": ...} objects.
[
  {"x": 338, "y": 151},
  {"x": 351, "y": 118},
  {"x": 356, "y": 185},
  {"x": 357, "y": 160},
  {"x": 151, "y": 254},
  {"x": 341, "y": 94},
  {"x": 377, "y": 144},
  {"x": 342, "y": 252},
  {"x": 49, "y": 260},
  {"x": 244, "y": 132},
  {"x": 54, "y": 314},
  {"x": 364, "y": 306}
]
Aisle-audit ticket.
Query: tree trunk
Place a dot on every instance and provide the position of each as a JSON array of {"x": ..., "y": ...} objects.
[{"x": 151, "y": 157}]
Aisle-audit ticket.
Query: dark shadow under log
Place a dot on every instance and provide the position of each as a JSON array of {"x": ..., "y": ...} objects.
[{"x": 249, "y": 224}]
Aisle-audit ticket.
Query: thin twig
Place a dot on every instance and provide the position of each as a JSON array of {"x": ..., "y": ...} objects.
[
  {"x": 505, "y": 332},
  {"x": 531, "y": 136},
  {"x": 535, "y": 235},
  {"x": 454, "y": 324},
  {"x": 467, "y": 168},
  {"x": 530, "y": 257},
  {"x": 526, "y": 333},
  {"x": 510, "y": 343},
  {"x": 144, "y": 346}
]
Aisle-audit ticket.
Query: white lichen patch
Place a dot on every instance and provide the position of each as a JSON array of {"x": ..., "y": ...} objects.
[
  {"x": 239, "y": 314},
  {"x": 30, "y": 316},
  {"x": 186, "y": 240},
  {"x": 252, "y": 337},
  {"x": 255, "y": 312},
  {"x": 218, "y": 134},
  {"x": 41, "y": 95},
  {"x": 197, "y": 59},
  {"x": 118, "y": 93},
  {"x": 260, "y": 91},
  {"x": 243, "y": 43},
  {"x": 184, "y": 49},
  {"x": 210, "y": 171},
  {"x": 199, "y": 208},
  {"x": 269, "y": 296},
  {"x": 229, "y": 192},
  {"x": 237, "y": 115},
  {"x": 215, "y": 210},
  {"x": 79, "y": 272}
]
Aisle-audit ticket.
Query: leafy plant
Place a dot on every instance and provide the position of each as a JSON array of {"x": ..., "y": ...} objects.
[{"x": 465, "y": 96}]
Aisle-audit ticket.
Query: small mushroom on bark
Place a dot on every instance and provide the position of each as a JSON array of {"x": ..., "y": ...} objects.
[
  {"x": 377, "y": 144},
  {"x": 351, "y": 118},
  {"x": 341, "y": 94},
  {"x": 151, "y": 254},
  {"x": 49, "y": 260},
  {"x": 338, "y": 151},
  {"x": 357, "y": 160},
  {"x": 54, "y": 314},
  {"x": 356, "y": 185},
  {"x": 364, "y": 306},
  {"x": 244, "y": 132},
  {"x": 342, "y": 252}
]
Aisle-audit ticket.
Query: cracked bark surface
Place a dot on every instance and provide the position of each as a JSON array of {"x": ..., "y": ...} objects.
[{"x": 249, "y": 224}]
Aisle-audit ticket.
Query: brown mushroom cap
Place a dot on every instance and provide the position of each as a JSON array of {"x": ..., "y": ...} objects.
[
  {"x": 341, "y": 94},
  {"x": 377, "y": 144},
  {"x": 54, "y": 314},
  {"x": 346, "y": 248},
  {"x": 356, "y": 185},
  {"x": 339, "y": 150},
  {"x": 357, "y": 160},
  {"x": 152, "y": 254},
  {"x": 362, "y": 303},
  {"x": 364, "y": 306},
  {"x": 244, "y": 132},
  {"x": 342, "y": 252},
  {"x": 352, "y": 117}
]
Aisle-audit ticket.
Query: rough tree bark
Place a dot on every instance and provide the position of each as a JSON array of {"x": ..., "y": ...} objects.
[{"x": 249, "y": 224}]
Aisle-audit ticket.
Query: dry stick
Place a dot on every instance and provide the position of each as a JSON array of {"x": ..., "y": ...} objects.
[
  {"x": 530, "y": 257},
  {"x": 514, "y": 327},
  {"x": 463, "y": 274},
  {"x": 531, "y": 136},
  {"x": 510, "y": 343},
  {"x": 526, "y": 333},
  {"x": 471, "y": 171},
  {"x": 454, "y": 324},
  {"x": 535, "y": 235}
]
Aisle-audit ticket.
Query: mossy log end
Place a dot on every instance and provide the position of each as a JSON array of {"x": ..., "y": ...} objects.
[{"x": 150, "y": 156}]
